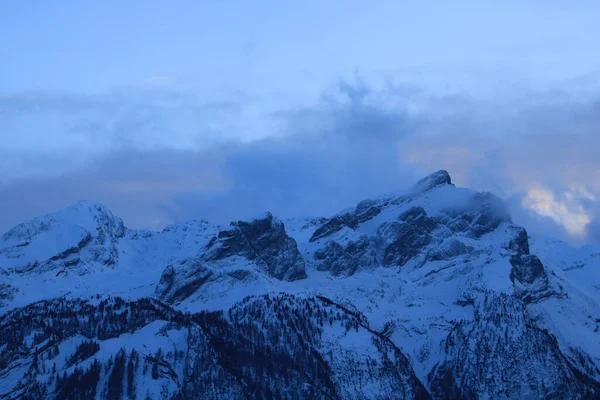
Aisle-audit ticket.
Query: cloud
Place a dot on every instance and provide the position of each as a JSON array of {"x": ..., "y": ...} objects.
[
  {"x": 566, "y": 212},
  {"x": 138, "y": 186},
  {"x": 541, "y": 157},
  {"x": 137, "y": 118},
  {"x": 160, "y": 156}
]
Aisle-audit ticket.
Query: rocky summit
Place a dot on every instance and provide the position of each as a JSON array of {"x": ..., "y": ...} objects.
[{"x": 431, "y": 293}]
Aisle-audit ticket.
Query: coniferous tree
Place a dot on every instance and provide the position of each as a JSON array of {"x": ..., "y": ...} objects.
[
  {"x": 155, "y": 374},
  {"x": 131, "y": 376},
  {"x": 115, "y": 381}
]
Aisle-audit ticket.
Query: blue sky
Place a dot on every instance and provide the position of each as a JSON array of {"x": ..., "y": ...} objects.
[
  {"x": 292, "y": 47},
  {"x": 169, "y": 111}
]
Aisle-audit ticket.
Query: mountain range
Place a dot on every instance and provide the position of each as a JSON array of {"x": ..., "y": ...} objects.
[{"x": 429, "y": 293}]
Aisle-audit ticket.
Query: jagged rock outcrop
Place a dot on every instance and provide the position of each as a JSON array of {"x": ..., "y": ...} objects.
[
  {"x": 346, "y": 260},
  {"x": 448, "y": 250},
  {"x": 527, "y": 273},
  {"x": 393, "y": 244},
  {"x": 263, "y": 241},
  {"x": 181, "y": 280},
  {"x": 403, "y": 239},
  {"x": 527, "y": 268},
  {"x": 441, "y": 177},
  {"x": 368, "y": 209},
  {"x": 335, "y": 224},
  {"x": 395, "y": 241},
  {"x": 519, "y": 243},
  {"x": 481, "y": 214}
]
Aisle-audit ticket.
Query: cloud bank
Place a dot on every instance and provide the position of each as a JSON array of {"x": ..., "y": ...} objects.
[{"x": 156, "y": 156}]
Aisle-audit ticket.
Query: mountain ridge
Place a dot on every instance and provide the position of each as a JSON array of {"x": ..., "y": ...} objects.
[{"x": 436, "y": 271}]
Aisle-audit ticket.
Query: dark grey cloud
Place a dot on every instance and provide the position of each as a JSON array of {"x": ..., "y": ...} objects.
[
  {"x": 157, "y": 157},
  {"x": 312, "y": 178}
]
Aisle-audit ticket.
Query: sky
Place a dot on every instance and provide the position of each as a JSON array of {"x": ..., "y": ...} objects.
[{"x": 169, "y": 111}]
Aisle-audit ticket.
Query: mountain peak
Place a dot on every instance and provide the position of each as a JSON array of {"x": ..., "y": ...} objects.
[
  {"x": 93, "y": 217},
  {"x": 85, "y": 207},
  {"x": 441, "y": 177},
  {"x": 85, "y": 215},
  {"x": 442, "y": 262}
]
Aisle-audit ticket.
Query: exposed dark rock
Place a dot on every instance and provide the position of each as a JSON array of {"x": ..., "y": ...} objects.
[
  {"x": 264, "y": 241},
  {"x": 396, "y": 242},
  {"x": 72, "y": 262},
  {"x": 520, "y": 242},
  {"x": 73, "y": 250},
  {"x": 368, "y": 209},
  {"x": 449, "y": 250},
  {"x": 180, "y": 281},
  {"x": 526, "y": 268},
  {"x": 240, "y": 274},
  {"x": 438, "y": 178},
  {"x": 334, "y": 225},
  {"x": 346, "y": 260},
  {"x": 417, "y": 217},
  {"x": 481, "y": 215},
  {"x": 527, "y": 273},
  {"x": 403, "y": 239},
  {"x": 364, "y": 205},
  {"x": 368, "y": 214}
]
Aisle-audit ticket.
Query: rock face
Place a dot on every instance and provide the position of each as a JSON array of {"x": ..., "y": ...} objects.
[
  {"x": 346, "y": 260},
  {"x": 431, "y": 293},
  {"x": 438, "y": 178},
  {"x": 264, "y": 241},
  {"x": 482, "y": 214},
  {"x": 527, "y": 268},
  {"x": 448, "y": 250},
  {"x": 403, "y": 239},
  {"x": 408, "y": 231},
  {"x": 366, "y": 210},
  {"x": 527, "y": 273},
  {"x": 335, "y": 224},
  {"x": 180, "y": 281}
]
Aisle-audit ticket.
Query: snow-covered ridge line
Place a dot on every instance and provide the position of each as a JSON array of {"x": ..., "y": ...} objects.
[{"x": 423, "y": 276}]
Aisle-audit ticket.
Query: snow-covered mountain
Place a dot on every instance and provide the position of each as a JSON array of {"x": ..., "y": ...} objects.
[{"x": 432, "y": 293}]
